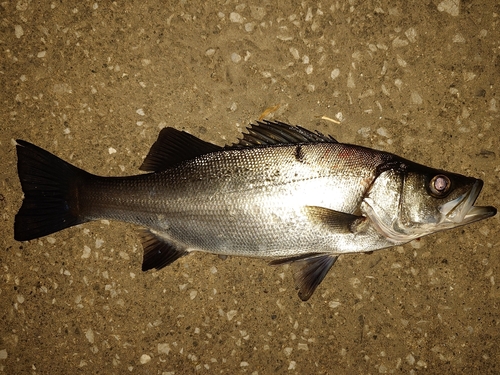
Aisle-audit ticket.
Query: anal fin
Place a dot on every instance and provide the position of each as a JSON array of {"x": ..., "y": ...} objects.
[
  {"x": 309, "y": 270},
  {"x": 158, "y": 251}
]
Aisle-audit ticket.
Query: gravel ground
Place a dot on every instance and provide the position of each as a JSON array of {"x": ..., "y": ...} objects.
[{"x": 94, "y": 82}]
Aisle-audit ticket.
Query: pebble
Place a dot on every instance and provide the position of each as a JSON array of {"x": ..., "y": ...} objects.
[
  {"x": 452, "y": 7},
  {"x": 18, "y": 30},
  {"x": 235, "y": 17},
  {"x": 145, "y": 359},
  {"x": 236, "y": 58}
]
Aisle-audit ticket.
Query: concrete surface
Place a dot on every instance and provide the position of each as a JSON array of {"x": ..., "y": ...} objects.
[{"x": 93, "y": 82}]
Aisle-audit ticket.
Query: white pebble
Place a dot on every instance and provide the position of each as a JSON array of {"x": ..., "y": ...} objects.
[
  {"x": 210, "y": 52},
  {"x": 18, "y": 29},
  {"x": 145, "y": 359},
  {"x": 140, "y": 112},
  {"x": 295, "y": 53},
  {"x": 458, "y": 38},
  {"x": 452, "y": 7},
  {"x": 163, "y": 348},
  {"x": 350, "y": 81},
  {"x": 86, "y": 252},
  {"x": 111, "y": 150},
  {"x": 493, "y": 105},
  {"x": 335, "y": 73},
  {"x": 258, "y": 12},
  {"x": 124, "y": 255},
  {"x": 3, "y": 354},
  {"x": 231, "y": 314},
  {"x": 333, "y": 304},
  {"x": 236, "y": 58},
  {"x": 249, "y": 27},
  {"x": 411, "y": 34},
  {"x": 309, "y": 69},
  {"x": 41, "y": 54},
  {"x": 236, "y": 17},
  {"x": 89, "y": 334},
  {"x": 193, "y": 294},
  {"x": 398, "y": 42},
  {"x": 410, "y": 359},
  {"x": 383, "y": 132},
  {"x": 416, "y": 98}
]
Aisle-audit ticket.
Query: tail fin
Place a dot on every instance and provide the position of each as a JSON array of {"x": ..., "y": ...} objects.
[{"x": 50, "y": 193}]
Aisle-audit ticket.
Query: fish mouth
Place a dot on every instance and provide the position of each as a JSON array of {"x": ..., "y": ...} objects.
[{"x": 461, "y": 210}]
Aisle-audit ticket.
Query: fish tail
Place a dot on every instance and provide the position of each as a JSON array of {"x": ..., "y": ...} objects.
[{"x": 50, "y": 187}]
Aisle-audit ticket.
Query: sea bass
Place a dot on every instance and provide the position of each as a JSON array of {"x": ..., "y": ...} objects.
[{"x": 281, "y": 192}]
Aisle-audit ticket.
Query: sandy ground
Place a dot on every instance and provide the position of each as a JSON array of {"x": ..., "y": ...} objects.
[{"x": 94, "y": 82}]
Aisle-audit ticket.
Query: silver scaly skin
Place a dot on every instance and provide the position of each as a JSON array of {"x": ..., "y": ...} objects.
[{"x": 281, "y": 191}]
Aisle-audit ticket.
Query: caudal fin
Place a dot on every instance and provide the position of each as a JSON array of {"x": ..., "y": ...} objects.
[{"x": 50, "y": 193}]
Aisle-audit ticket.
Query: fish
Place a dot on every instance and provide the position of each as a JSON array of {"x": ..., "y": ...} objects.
[{"x": 281, "y": 192}]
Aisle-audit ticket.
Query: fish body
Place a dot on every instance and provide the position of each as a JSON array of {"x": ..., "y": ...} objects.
[{"x": 282, "y": 191}]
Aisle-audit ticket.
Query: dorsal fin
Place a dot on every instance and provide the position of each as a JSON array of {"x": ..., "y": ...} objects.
[
  {"x": 266, "y": 133},
  {"x": 174, "y": 146}
]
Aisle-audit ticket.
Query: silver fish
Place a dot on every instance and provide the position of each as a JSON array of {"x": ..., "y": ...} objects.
[{"x": 281, "y": 191}]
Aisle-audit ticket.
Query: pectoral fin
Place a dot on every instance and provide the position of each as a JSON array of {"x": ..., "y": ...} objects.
[
  {"x": 339, "y": 222},
  {"x": 308, "y": 271},
  {"x": 158, "y": 251}
]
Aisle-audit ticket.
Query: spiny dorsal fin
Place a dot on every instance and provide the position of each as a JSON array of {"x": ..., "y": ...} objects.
[
  {"x": 266, "y": 133},
  {"x": 309, "y": 270},
  {"x": 174, "y": 146}
]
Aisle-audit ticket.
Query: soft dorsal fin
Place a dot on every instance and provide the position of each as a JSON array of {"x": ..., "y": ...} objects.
[
  {"x": 174, "y": 146},
  {"x": 266, "y": 133}
]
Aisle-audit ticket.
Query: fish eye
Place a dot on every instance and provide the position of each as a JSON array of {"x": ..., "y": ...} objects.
[{"x": 439, "y": 186}]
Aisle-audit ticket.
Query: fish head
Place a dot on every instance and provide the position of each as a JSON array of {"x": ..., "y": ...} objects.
[{"x": 410, "y": 200}]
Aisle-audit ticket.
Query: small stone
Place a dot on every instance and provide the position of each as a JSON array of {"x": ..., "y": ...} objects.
[
  {"x": 236, "y": 17},
  {"x": 41, "y": 54},
  {"x": 335, "y": 73},
  {"x": 231, "y": 314},
  {"x": 140, "y": 112},
  {"x": 411, "y": 34},
  {"x": 86, "y": 252},
  {"x": 350, "y": 81},
  {"x": 398, "y": 42},
  {"x": 458, "y": 38},
  {"x": 111, "y": 150},
  {"x": 257, "y": 12},
  {"x": 333, "y": 304},
  {"x": 18, "y": 30},
  {"x": 416, "y": 98},
  {"x": 452, "y": 7},
  {"x": 295, "y": 53},
  {"x": 163, "y": 348},
  {"x": 89, "y": 334},
  {"x": 3, "y": 354},
  {"x": 145, "y": 359},
  {"x": 236, "y": 58}
]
